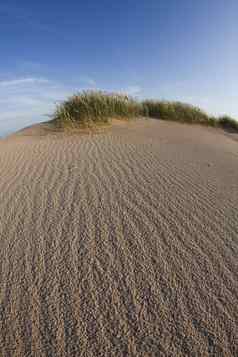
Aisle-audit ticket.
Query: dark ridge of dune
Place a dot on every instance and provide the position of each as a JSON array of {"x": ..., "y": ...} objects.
[{"x": 122, "y": 243}]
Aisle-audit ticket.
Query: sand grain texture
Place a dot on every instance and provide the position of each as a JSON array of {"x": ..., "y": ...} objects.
[{"x": 122, "y": 243}]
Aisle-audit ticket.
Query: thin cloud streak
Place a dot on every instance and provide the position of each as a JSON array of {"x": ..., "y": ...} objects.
[
  {"x": 24, "y": 101},
  {"x": 23, "y": 81}
]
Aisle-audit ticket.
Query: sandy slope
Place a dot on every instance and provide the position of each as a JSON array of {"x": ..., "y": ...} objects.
[{"x": 120, "y": 243}]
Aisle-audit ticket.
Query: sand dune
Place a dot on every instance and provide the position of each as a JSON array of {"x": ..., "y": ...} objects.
[{"x": 121, "y": 243}]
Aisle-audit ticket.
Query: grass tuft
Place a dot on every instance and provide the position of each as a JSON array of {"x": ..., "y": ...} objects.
[
  {"x": 186, "y": 113},
  {"x": 177, "y": 111},
  {"x": 228, "y": 123},
  {"x": 95, "y": 107}
]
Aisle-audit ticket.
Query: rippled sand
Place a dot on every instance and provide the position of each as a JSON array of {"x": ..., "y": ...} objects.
[{"x": 121, "y": 243}]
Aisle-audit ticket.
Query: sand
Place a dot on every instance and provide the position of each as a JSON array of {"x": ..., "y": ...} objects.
[{"x": 119, "y": 243}]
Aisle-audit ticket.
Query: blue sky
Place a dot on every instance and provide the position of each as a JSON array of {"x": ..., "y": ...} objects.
[{"x": 178, "y": 50}]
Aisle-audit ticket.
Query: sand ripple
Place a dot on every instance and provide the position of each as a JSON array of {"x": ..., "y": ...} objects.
[{"x": 120, "y": 243}]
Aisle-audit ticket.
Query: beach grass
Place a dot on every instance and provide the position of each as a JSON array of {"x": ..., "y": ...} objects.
[
  {"x": 90, "y": 108},
  {"x": 95, "y": 107},
  {"x": 228, "y": 123},
  {"x": 177, "y": 111}
]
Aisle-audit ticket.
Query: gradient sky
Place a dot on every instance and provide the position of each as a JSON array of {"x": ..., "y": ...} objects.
[{"x": 183, "y": 50}]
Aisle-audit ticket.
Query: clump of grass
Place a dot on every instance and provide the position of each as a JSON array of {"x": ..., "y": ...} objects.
[
  {"x": 228, "y": 123},
  {"x": 177, "y": 111},
  {"x": 95, "y": 107},
  {"x": 186, "y": 113}
]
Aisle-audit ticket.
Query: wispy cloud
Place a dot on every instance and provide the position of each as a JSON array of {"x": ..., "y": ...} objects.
[
  {"x": 23, "y": 81},
  {"x": 24, "y": 101}
]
